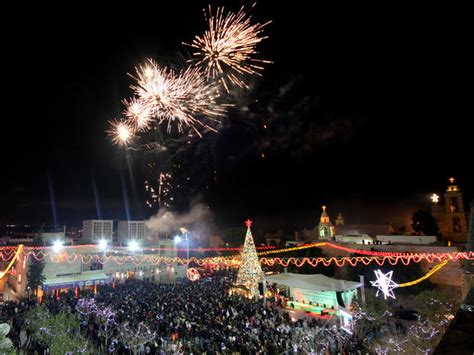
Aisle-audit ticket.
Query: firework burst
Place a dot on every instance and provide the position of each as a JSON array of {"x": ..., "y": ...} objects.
[
  {"x": 120, "y": 132},
  {"x": 180, "y": 97},
  {"x": 227, "y": 49},
  {"x": 162, "y": 194},
  {"x": 138, "y": 114}
]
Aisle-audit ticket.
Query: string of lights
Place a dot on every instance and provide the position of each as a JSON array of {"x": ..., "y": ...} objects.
[
  {"x": 7, "y": 255},
  {"x": 42, "y": 253},
  {"x": 17, "y": 254},
  {"x": 136, "y": 260},
  {"x": 7, "y": 252},
  {"x": 385, "y": 285},
  {"x": 10, "y": 249},
  {"x": 300, "y": 247},
  {"x": 427, "y": 275},
  {"x": 353, "y": 261},
  {"x": 233, "y": 260},
  {"x": 466, "y": 255}
]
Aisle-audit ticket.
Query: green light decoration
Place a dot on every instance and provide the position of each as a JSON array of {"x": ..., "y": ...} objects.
[{"x": 250, "y": 272}]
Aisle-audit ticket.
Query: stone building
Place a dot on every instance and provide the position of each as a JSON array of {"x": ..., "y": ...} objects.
[{"x": 450, "y": 214}]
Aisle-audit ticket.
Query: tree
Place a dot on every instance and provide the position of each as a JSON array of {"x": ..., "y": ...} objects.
[
  {"x": 35, "y": 274},
  {"x": 250, "y": 272},
  {"x": 435, "y": 309},
  {"x": 107, "y": 324},
  {"x": 60, "y": 333},
  {"x": 6, "y": 344},
  {"x": 436, "y": 305},
  {"x": 370, "y": 316},
  {"x": 67, "y": 344},
  {"x": 424, "y": 222},
  {"x": 135, "y": 338}
]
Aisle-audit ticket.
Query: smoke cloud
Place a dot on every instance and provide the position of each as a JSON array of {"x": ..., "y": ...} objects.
[{"x": 167, "y": 222}]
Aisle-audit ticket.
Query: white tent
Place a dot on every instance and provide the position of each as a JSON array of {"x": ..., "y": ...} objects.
[
  {"x": 317, "y": 289},
  {"x": 315, "y": 282}
]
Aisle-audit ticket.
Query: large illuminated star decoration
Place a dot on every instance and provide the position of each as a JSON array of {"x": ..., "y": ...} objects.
[{"x": 384, "y": 284}]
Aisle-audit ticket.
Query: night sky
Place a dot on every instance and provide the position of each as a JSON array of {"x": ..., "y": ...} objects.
[{"x": 66, "y": 72}]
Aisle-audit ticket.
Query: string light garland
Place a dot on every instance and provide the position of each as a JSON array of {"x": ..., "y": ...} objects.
[
  {"x": 365, "y": 260},
  {"x": 386, "y": 285},
  {"x": 300, "y": 247},
  {"x": 7, "y": 255},
  {"x": 12, "y": 261},
  {"x": 121, "y": 257},
  {"x": 427, "y": 275},
  {"x": 10, "y": 249},
  {"x": 466, "y": 255},
  {"x": 7, "y": 252},
  {"x": 233, "y": 260}
]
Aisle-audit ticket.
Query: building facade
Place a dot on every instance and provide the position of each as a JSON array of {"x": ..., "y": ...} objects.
[
  {"x": 79, "y": 266},
  {"x": 97, "y": 229},
  {"x": 131, "y": 230}
]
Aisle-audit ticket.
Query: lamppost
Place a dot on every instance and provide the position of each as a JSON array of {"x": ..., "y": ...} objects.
[
  {"x": 102, "y": 245},
  {"x": 185, "y": 232}
]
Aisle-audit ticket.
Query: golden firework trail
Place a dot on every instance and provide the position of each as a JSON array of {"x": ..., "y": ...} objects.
[{"x": 227, "y": 49}]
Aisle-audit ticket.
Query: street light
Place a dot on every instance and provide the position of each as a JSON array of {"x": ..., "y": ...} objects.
[
  {"x": 133, "y": 245},
  {"x": 103, "y": 244},
  {"x": 177, "y": 240},
  {"x": 185, "y": 232},
  {"x": 57, "y": 246}
]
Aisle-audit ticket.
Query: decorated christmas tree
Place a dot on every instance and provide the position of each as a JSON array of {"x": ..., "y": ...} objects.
[{"x": 250, "y": 272}]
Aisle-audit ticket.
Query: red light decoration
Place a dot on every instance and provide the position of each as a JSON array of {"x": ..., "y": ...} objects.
[
  {"x": 18, "y": 252},
  {"x": 454, "y": 255},
  {"x": 366, "y": 257},
  {"x": 193, "y": 274},
  {"x": 10, "y": 250},
  {"x": 233, "y": 261}
]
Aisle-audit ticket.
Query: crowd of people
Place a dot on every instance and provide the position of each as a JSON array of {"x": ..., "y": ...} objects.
[{"x": 186, "y": 317}]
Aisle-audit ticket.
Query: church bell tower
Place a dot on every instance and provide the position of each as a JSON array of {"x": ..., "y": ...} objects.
[
  {"x": 452, "y": 219},
  {"x": 325, "y": 228}
]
